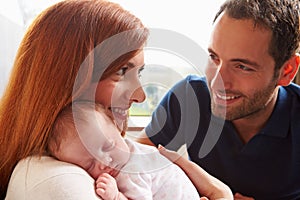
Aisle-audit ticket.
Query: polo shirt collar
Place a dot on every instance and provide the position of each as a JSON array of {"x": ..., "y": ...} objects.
[{"x": 278, "y": 124}]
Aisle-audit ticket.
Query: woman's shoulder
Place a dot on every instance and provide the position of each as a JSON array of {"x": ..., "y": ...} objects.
[
  {"x": 48, "y": 177},
  {"x": 39, "y": 169},
  {"x": 48, "y": 166}
]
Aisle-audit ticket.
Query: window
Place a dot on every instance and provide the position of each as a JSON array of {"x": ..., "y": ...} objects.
[
  {"x": 186, "y": 25},
  {"x": 179, "y": 33}
]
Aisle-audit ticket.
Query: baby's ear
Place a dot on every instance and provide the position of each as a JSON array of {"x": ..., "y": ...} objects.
[{"x": 289, "y": 70}]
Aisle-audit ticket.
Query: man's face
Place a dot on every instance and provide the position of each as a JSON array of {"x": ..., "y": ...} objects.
[{"x": 240, "y": 71}]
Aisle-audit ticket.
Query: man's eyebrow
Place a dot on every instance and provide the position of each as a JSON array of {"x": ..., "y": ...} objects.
[
  {"x": 246, "y": 61},
  {"x": 242, "y": 60}
]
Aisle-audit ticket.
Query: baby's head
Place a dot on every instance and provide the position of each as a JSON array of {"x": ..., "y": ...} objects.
[{"x": 85, "y": 135}]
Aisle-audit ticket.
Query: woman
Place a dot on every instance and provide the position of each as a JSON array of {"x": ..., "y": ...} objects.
[{"x": 76, "y": 49}]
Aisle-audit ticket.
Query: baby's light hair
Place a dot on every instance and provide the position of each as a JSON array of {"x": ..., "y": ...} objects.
[{"x": 79, "y": 113}]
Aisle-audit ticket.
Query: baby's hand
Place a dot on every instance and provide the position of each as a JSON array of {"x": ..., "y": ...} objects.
[{"x": 106, "y": 187}]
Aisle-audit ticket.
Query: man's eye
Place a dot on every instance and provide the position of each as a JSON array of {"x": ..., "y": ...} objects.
[
  {"x": 122, "y": 71},
  {"x": 213, "y": 56},
  {"x": 243, "y": 67}
]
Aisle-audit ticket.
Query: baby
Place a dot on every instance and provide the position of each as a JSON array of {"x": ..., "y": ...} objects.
[{"x": 86, "y": 136}]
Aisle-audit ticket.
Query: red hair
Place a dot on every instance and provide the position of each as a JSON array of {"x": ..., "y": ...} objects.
[{"x": 59, "y": 42}]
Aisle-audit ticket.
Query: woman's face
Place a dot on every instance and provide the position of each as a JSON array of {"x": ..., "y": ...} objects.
[{"x": 117, "y": 92}]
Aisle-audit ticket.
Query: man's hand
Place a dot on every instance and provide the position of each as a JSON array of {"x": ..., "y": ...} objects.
[{"x": 173, "y": 156}]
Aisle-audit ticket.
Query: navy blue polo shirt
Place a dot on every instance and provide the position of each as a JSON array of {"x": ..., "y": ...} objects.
[{"x": 267, "y": 167}]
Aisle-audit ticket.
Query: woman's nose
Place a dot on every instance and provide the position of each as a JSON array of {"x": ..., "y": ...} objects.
[{"x": 138, "y": 95}]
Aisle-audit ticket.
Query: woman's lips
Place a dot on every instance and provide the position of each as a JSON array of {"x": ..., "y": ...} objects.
[{"x": 119, "y": 113}]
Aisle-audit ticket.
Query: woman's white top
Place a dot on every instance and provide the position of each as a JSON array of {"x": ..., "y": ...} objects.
[
  {"x": 148, "y": 175},
  {"x": 46, "y": 178}
]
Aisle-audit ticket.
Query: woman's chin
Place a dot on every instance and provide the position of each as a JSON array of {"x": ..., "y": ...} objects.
[{"x": 122, "y": 125}]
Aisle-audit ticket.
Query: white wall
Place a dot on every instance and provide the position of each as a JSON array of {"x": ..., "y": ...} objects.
[
  {"x": 191, "y": 18},
  {"x": 10, "y": 37}
]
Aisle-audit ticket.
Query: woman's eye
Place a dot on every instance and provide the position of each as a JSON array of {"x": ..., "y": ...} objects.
[
  {"x": 140, "y": 72},
  {"x": 122, "y": 71}
]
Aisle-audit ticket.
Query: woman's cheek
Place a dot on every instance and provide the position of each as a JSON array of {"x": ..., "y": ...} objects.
[{"x": 103, "y": 94}]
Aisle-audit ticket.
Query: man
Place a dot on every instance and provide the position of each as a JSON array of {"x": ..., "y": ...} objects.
[{"x": 241, "y": 122}]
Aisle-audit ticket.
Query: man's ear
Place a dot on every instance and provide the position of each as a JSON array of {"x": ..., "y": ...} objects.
[{"x": 289, "y": 70}]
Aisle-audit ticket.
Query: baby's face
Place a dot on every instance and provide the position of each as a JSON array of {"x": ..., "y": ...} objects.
[{"x": 98, "y": 149}]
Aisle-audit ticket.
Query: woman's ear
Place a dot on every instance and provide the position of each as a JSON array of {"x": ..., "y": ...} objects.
[{"x": 289, "y": 70}]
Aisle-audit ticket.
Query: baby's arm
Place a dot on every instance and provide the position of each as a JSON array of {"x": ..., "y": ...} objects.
[
  {"x": 206, "y": 184},
  {"x": 107, "y": 189}
]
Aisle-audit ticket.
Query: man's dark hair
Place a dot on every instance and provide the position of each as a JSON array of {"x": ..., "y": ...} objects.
[{"x": 279, "y": 16}]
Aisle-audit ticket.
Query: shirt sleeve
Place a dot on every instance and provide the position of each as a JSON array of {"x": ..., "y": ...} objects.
[{"x": 165, "y": 126}]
